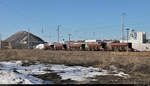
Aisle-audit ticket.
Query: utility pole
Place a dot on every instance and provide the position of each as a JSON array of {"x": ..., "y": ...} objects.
[
  {"x": 58, "y": 32},
  {"x": 122, "y": 26},
  {"x": 69, "y": 37},
  {"x": 28, "y": 38},
  {"x": 127, "y": 37}
]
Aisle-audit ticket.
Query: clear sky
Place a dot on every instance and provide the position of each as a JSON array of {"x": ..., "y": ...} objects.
[{"x": 84, "y": 19}]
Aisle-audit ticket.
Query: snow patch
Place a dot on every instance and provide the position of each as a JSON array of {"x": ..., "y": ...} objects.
[
  {"x": 79, "y": 73},
  {"x": 122, "y": 74},
  {"x": 10, "y": 77},
  {"x": 40, "y": 46},
  {"x": 16, "y": 73},
  {"x": 32, "y": 69}
]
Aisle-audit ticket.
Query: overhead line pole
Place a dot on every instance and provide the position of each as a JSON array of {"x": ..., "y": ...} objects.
[
  {"x": 69, "y": 37},
  {"x": 127, "y": 37},
  {"x": 122, "y": 26},
  {"x": 58, "y": 33}
]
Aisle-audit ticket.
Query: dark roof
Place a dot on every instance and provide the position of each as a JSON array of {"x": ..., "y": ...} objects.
[{"x": 22, "y": 36}]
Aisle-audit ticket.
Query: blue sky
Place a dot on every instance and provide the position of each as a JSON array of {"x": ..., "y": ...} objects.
[{"x": 84, "y": 19}]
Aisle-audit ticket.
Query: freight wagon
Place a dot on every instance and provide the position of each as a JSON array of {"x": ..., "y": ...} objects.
[
  {"x": 76, "y": 46},
  {"x": 60, "y": 47},
  {"x": 119, "y": 46},
  {"x": 92, "y": 47},
  {"x": 49, "y": 47}
]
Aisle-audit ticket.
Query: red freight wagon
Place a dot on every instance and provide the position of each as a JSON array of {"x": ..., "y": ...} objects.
[
  {"x": 94, "y": 47},
  {"x": 60, "y": 47},
  {"x": 119, "y": 46},
  {"x": 49, "y": 47},
  {"x": 76, "y": 46}
]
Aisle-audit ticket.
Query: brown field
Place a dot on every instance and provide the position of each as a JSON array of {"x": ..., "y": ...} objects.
[{"x": 136, "y": 64}]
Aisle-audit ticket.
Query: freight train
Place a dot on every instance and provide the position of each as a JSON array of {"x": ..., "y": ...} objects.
[{"x": 91, "y": 47}]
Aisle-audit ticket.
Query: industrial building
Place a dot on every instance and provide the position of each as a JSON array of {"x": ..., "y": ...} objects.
[{"x": 138, "y": 40}]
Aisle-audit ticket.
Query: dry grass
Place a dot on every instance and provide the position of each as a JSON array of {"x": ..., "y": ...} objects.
[
  {"x": 132, "y": 61},
  {"x": 136, "y": 64}
]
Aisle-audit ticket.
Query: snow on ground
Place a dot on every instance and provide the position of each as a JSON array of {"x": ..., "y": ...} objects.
[
  {"x": 79, "y": 73},
  {"x": 10, "y": 77},
  {"x": 40, "y": 46},
  {"x": 13, "y": 72},
  {"x": 32, "y": 69}
]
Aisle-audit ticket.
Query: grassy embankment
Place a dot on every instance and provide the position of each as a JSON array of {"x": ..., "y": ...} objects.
[{"x": 135, "y": 63}]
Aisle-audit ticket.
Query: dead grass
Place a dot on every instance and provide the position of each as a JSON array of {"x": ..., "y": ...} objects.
[{"x": 132, "y": 61}]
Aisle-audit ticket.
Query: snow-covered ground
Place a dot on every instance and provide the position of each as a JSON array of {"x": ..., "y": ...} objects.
[
  {"x": 40, "y": 46},
  {"x": 14, "y": 73},
  {"x": 10, "y": 77},
  {"x": 79, "y": 73}
]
